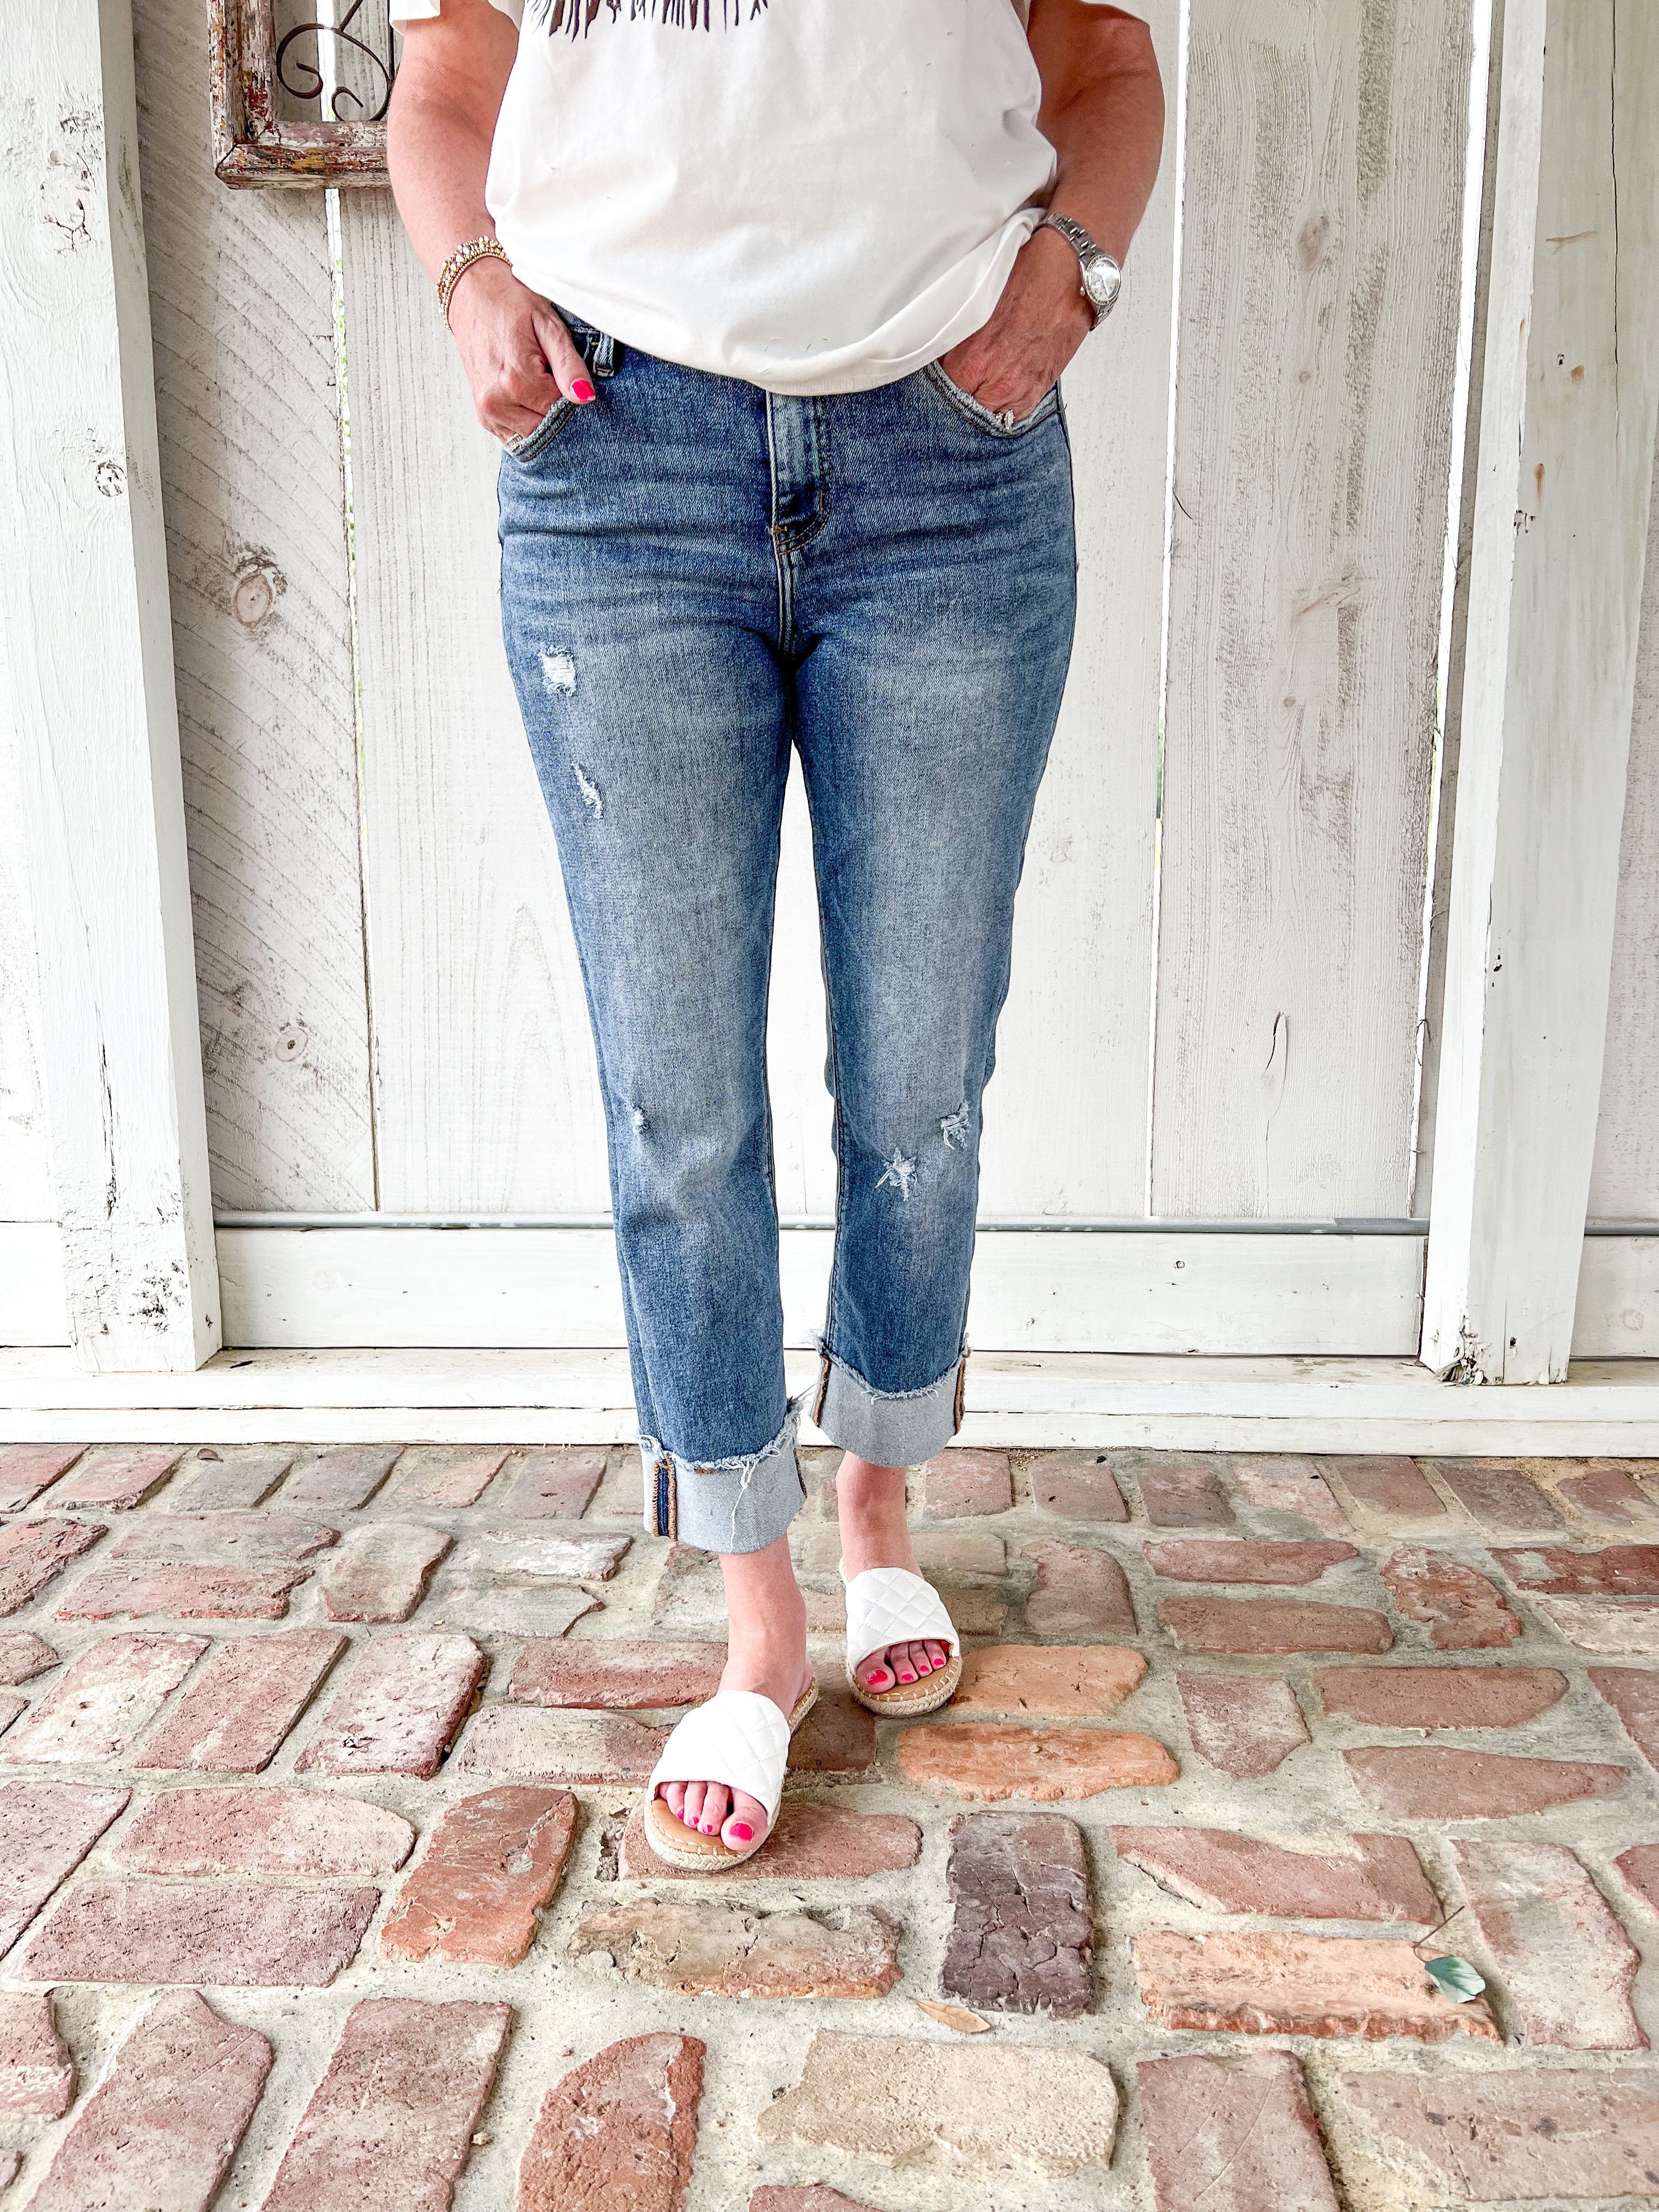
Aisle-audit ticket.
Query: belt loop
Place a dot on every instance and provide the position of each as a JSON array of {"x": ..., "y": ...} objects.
[{"x": 605, "y": 356}]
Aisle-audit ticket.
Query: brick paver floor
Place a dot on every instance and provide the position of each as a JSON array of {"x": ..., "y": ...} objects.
[{"x": 319, "y": 1889}]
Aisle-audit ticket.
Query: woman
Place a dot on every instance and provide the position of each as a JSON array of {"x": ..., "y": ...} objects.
[{"x": 767, "y": 300}]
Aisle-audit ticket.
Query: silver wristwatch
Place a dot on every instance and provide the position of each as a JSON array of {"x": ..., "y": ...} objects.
[{"x": 1103, "y": 280}]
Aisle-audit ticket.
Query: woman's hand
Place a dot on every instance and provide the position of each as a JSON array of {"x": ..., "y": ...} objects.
[
  {"x": 1039, "y": 322},
  {"x": 518, "y": 354}
]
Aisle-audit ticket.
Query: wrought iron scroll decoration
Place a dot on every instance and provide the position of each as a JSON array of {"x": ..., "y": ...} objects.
[{"x": 254, "y": 75}]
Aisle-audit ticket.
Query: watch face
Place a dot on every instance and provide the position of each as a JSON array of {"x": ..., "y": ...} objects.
[{"x": 1101, "y": 280}]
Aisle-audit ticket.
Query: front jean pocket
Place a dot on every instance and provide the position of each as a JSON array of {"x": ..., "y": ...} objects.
[
  {"x": 535, "y": 441},
  {"x": 972, "y": 410}
]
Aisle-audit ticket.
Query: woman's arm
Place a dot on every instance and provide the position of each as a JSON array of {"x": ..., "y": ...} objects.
[
  {"x": 1102, "y": 112},
  {"x": 517, "y": 354}
]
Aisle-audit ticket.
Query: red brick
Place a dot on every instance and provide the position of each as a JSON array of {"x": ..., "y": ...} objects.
[
  {"x": 1498, "y": 1495},
  {"x": 382, "y": 1571},
  {"x": 1619, "y": 1571},
  {"x": 1461, "y": 1609},
  {"x": 1176, "y": 1494},
  {"x": 46, "y": 1829},
  {"x": 1439, "y": 1697},
  {"x": 616, "y": 2135},
  {"x": 291, "y": 1832},
  {"x": 219, "y": 1539},
  {"x": 338, "y": 1478},
  {"x": 398, "y": 1708},
  {"x": 1639, "y": 1866},
  {"x": 27, "y": 1469},
  {"x": 391, "y": 2122},
  {"x": 958, "y": 1482},
  {"x": 802, "y": 2197},
  {"x": 37, "y": 2076},
  {"x": 1077, "y": 1485},
  {"x": 1633, "y": 1693},
  {"x": 1377, "y": 1878},
  {"x": 711, "y": 1947},
  {"x": 1611, "y": 1627},
  {"x": 228, "y": 1934},
  {"x": 35, "y": 1553},
  {"x": 1244, "y": 1559},
  {"x": 838, "y": 1736},
  {"x": 1022, "y": 1934},
  {"x": 109, "y": 1693},
  {"x": 987, "y": 2104},
  {"x": 434, "y": 1474},
  {"x": 1389, "y": 1491},
  {"x": 993, "y": 1759},
  {"x": 1232, "y": 2135},
  {"x": 1245, "y": 1724},
  {"x": 1607, "y": 1498},
  {"x": 947, "y": 1557},
  {"x": 162, "y": 2126},
  {"x": 810, "y": 1842},
  {"x": 474, "y": 1608},
  {"x": 554, "y": 1484},
  {"x": 558, "y": 1746},
  {"x": 1432, "y": 1785},
  {"x": 690, "y": 1596},
  {"x": 1080, "y": 1591},
  {"x": 621, "y": 1674},
  {"x": 232, "y": 1480},
  {"x": 1088, "y": 1680},
  {"x": 1228, "y": 1982},
  {"x": 491, "y": 1860},
  {"x": 23, "y": 1655},
  {"x": 114, "y": 1478},
  {"x": 9, "y": 1710},
  {"x": 621, "y": 1494},
  {"x": 1564, "y": 1963},
  {"x": 183, "y": 1594},
  {"x": 539, "y": 1556},
  {"x": 1247, "y": 1624},
  {"x": 1527, "y": 2132},
  {"x": 234, "y": 1716},
  {"x": 1289, "y": 1489}
]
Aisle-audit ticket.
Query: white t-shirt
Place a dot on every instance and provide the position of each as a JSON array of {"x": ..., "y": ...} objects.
[{"x": 812, "y": 195}]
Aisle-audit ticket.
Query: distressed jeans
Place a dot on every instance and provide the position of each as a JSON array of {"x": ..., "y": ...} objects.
[{"x": 697, "y": 575}]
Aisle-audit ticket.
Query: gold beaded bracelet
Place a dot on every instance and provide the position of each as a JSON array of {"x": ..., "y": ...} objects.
[{"x": 476, "y": 249}]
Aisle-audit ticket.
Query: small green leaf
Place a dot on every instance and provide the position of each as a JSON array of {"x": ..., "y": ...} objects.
[{"x": 1456, "y": 1976}]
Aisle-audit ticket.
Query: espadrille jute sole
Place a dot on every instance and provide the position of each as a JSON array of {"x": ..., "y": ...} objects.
[{"x": 909, "y": 1700}]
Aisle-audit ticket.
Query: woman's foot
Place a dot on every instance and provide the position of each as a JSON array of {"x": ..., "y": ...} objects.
[
  {"x": 766, "y": 1650},
  {"x": 874, "y": 1533}
]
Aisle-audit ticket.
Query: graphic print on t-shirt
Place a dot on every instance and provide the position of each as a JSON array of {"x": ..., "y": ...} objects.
[{"x": 576, "y": 18}]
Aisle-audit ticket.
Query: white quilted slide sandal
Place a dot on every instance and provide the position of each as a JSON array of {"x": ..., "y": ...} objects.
[
  {"x": 738, "y": 1738},
  {"x": 890, "y": 1605}
]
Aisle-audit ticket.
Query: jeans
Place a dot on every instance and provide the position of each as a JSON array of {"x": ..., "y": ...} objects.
[{"x": 695, "y": 576}]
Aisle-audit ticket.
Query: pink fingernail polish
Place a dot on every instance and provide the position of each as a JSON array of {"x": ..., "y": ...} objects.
[
  {"x": 741, "y": 1832},
  {"x": 581, "y": 390}
]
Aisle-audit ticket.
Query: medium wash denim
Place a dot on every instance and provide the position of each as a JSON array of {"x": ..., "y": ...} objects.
[{"x": 695, "y": 576}]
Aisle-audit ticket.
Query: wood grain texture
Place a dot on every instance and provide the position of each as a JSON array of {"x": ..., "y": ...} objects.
[
  {"x": 488, "y": 1097},
  {"x": 242, "y": 306},
  {"x": 86, "y": 682},
  {"x": 26, "y": 1191},
  {"x": 1571, "y": 377},
  {"x": 1318, "y": 325}
]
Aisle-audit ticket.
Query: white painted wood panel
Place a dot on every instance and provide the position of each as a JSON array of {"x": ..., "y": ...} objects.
[
  {"x": 488, "y": 1094},
  {"x": 86, "y": 682},
  {"x": 33, "y": 1307},
  {"x": 1624, "y": 1175},
  {"x": 242, "y": 308},
  {"x": 1617, "y": 1315},
  {"x": 1561, "y": 526},
  {"x": 1022, "y": 1400},
  {"x": 26, "y": 1191},
  {"x": 1325, "y": 161}
]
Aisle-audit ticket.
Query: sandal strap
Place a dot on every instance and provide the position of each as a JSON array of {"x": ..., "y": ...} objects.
[
  {"x": 739, "y": 1738},
  {"x": 890, "y": 1605}
]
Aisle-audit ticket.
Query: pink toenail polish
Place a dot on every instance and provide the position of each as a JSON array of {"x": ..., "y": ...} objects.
[
  {"x": 906, "y": 1678},
  {"x": 741, "y": 1832},
  {"x": 709, "y": 1829}
]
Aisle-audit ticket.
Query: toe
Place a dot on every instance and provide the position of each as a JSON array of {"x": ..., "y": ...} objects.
[
  {"x": 899, "y": 1657},
  {"x": 691, "y": 1813},
  {"x": 919, "y": 1660},
  {"x": 939, "y": 1653},
  {"x": 716, "y": 1803},
  {"x": 673, "y": 1796},
  {"x": 746, "y": 1821},
  {"x": 874, "y": 1673}
]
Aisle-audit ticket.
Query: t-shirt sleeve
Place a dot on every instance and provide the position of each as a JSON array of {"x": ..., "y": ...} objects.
[{"x": 424, "y": 11}]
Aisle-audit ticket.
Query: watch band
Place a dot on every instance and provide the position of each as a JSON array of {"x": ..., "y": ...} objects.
[{"x": 1103, "y": 279}]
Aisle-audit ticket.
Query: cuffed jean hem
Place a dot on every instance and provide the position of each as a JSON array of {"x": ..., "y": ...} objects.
[
  {"x": 890, "y": 1428},
  {"x": 740, "y": 1504}
]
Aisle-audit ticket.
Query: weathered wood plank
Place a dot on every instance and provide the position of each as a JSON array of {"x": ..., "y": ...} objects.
[
  {"x": 1571, "y": 391},
  {"x": 26, "y": 1192},
  {"x": 1318, "y": 323},
  {"x": 242, "y": 306},
  {"x": 86, "y": 680},
  {"x": 486, "y": 1090}
]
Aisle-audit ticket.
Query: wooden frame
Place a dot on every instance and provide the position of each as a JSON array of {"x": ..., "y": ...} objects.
[{"x": 253, "y": 144}]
